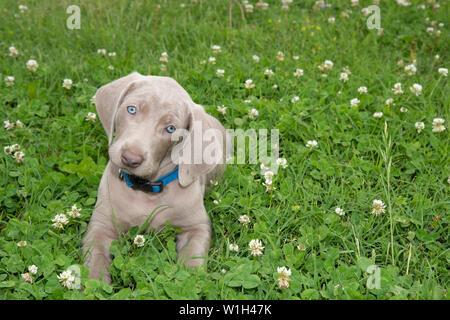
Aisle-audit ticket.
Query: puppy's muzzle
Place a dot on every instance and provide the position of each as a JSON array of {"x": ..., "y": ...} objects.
[{"x": 131, "y": 158}]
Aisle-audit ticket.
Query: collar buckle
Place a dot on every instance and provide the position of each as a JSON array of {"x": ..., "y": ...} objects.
[{"x": 153, "y": 186}]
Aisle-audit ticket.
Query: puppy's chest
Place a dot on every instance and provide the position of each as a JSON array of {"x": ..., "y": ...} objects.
[{"x": 134, "y": 207}]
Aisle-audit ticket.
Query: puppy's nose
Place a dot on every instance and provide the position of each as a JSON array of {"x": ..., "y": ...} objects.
[{"x": 131, "y": 158}]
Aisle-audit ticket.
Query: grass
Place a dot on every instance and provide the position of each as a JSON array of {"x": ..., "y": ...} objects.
[{"x": 358, "y": 159}]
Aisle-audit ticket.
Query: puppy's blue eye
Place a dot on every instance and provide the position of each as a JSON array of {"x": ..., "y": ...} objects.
[
  {"x": 131, "y": 109},
  {"x": 171, "y": 129}
]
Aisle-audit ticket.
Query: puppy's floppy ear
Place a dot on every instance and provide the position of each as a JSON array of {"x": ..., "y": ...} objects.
[
  {"x": 107, "y": 100},
  {"x": 203, "y": 148}
]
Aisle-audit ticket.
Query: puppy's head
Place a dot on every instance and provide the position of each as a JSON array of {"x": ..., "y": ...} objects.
[{"x": 141, "y": 116}]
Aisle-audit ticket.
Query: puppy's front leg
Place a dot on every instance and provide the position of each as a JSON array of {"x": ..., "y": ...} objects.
[
  {"x": 193, "y": 244},
  {"x": 96, "y": 244}
]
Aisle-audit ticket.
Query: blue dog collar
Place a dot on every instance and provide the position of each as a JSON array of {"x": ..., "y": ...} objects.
[{"x": 137, "y": 183}]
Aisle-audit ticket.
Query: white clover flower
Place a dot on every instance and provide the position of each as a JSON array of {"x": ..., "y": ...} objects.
[
  {"x": 403, "y": 109},
  {"x": 283, "y": 277},
  {"x": 15, "y": 147},
  {"x": 248, "y": 8},
  {"x": 346, "y": 14},
  {"x": 419, "y": 126},
  {"x": 256, "y": 247},
  {"x": 66, "y": 279},
  {"x": 268, "y": 175},
  {"x": 280, "y": 56},
  {"x": 13, "y": 52},
  {"x": 438, "y": 125},
  {"x": 112, "y": 54},
  {"x": 389, "y": 101},
  {"x": 298, "y": 73},
  {"x": 9, "y": 81},
  {"x": 19, "y": 124},
  {"x": 91, "y": 117},
  {"x": 74, "y": 212},
  {"x": 378, "y": 114},
  {"x": 222, "y": 109},
  {"x": 285, "y": 4},
  {"x": 311, "y": 144},
  {"x": 101, "y": 51},
  {"x": 282, "y": 162},
  {"x": 27, "y": 277},
  {"x": 220, "y": 73},
  {"x": 233, "y": 247},
  {"x": 378, "y": 207},
  {"x": 59, "y": 221},
  {"x": 32, "y": 65},
  {"x": 430, "y": 30},
  {"x": 216, "y": 202},
  {"x": 22, "y": 8},
  {"x": 410, "y": 69},
  {"x": 253, "y": 113},
  {"x": 365, "y": 11},
  {"x": 19, "y": 156},
  {"x": 403, "y": 3},
  {"x": 8, "y": 149},
  {"x": 343, "y": 77},
  {"x": 269, "y": 73},
  {"x": 269, "y": 185},
  {"x": 244, "y": 220},
  {"x": 33, "y": 269},
  {"x": 416, "y": 89},
  {"x": 216, "y": 49},
  {"x": 249, "y": 84},
  {"x": 8, "y": 125},
  {"x": 255, "y": 58},
  {"x": 362, "y": 90},
  {"x": 67, "y": 84},
  {"x": 262, "y": 5},
  {"x": 339, "y": 211},
  {"x": 443, "y": 72},
  {"x": 275, "y": 86},
  {"x": 283, "y": 271},
  {"x": 139, "y": 240},
  {"x": 436, "y": 58},
  {"x": 354, "y": 102},
  {"x": 212, "y": 60},
  {"x": 164, "y": 57},
  {"x": 21, "y": 243},
  {"x": 328, "y": 64},
  {"x": 295, "y": 99},
  {"x": 111, "y": 67},
  {"x": 397, "y": 88},
  {"x": 331, "y": 20}
]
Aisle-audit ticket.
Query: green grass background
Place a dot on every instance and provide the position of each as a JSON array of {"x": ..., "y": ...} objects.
[{"x": 65, "y": 155}]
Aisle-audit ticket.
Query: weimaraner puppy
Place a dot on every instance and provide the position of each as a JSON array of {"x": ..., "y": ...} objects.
[{"x": 151, "y": 164}]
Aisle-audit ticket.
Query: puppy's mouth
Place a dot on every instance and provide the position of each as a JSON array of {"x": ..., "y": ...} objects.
[{"x": 136, "y": 173}]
